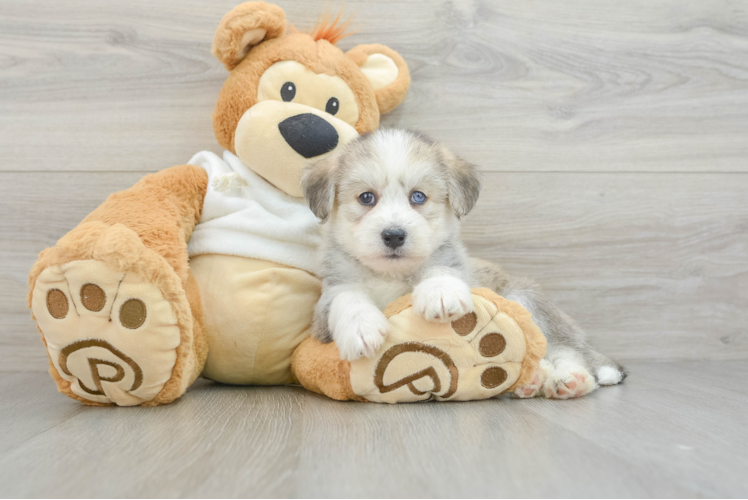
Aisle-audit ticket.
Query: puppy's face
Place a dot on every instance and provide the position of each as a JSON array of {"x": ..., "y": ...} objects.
[{"x": 392, "y": 197}]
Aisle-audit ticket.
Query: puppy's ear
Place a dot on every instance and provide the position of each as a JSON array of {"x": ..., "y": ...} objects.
[
  {"x": 463, "y": 183},
  {"x": 318, "y": 186},
  {"x": 244, "y": 27}
]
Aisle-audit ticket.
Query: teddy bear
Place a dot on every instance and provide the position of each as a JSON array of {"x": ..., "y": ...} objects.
[{"x": 209, "y": 268}]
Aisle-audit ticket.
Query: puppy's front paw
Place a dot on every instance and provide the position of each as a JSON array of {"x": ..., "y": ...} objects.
[
  {"x": 360, "y": 331},
  {"x": 442, "y": 299}
]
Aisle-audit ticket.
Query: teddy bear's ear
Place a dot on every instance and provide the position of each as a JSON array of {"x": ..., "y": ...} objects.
[
  {"x": 244, "y": 27},
  {"x": 386, "y": 71}
]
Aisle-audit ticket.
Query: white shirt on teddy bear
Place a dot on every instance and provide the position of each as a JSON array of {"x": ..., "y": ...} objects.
[{"x": 245, "y": 215}]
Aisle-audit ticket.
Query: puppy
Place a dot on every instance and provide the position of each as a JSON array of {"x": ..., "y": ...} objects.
[{"x": 392, "y": 201}]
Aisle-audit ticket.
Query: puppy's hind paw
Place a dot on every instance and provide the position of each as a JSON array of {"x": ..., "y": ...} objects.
[
  {"x": 442, "y": 299},
  {"x": 563, "y": 384},
  {"x": 535, "y": 386}
]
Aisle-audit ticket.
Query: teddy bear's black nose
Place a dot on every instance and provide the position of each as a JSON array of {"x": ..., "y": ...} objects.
[{"x": 308, "y": 134}]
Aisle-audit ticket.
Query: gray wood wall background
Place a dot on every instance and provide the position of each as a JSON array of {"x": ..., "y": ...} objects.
[{"x": 613, "y": 136}]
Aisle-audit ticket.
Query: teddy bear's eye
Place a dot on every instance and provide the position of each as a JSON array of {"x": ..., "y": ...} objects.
[
  {"x": 288, "y": 91},
  {"x": 333, "y": 105}
]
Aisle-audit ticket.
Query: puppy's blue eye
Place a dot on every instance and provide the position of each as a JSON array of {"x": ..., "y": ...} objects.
[
  {"x": 417, "y": 198},
  {"x": 367, "y": 199}
]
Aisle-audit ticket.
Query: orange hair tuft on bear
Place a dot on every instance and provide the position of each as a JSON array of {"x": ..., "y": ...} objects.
[{"x": 331, "y": 30}]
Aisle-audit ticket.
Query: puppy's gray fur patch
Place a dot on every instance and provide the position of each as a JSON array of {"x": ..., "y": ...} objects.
[{"x": 560, "y": 330}]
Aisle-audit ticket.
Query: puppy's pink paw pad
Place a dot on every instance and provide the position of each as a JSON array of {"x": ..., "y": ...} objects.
[
  {"x": 526, "y": 391},
  {"x": 535, "y": 386},
  {"x": 569, "y": 385}
]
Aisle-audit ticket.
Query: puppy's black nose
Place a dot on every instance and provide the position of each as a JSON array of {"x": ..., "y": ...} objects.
[
  {"x": 394, "y": 238},
  {"x": 308, "y": 134}
]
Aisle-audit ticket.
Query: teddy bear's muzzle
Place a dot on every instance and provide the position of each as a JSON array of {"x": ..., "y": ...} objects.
[{"x": 278, "y": 139}]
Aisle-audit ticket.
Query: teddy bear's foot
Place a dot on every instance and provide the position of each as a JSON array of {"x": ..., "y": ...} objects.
[
  {"x": 496, "y": 348},
  {"x": 487, "y": 352},
  {"x": 111, "y": 334}
]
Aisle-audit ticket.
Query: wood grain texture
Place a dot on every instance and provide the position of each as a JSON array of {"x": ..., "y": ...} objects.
[
  {"x": 521, "y": 86},
  {"x": 672, "y": 430},
  {"x": 653, "y": 266},
  {"x": 612, "y": 134}
]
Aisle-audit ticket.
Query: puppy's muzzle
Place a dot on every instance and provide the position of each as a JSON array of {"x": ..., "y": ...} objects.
[
  {"x": 394, "y": 238},
  {"x": 308, "y": 134}
]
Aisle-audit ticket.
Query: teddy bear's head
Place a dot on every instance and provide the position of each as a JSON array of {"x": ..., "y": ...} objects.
[{"x": 292, "y": 98}]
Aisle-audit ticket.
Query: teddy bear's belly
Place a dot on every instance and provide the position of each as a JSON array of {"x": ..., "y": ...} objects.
[{"x": 256, "y": 313}]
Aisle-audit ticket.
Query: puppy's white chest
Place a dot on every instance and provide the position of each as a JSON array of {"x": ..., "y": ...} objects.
[{"x": 384, "y": 292}]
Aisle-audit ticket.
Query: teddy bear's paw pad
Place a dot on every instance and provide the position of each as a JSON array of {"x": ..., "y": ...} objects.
[
  {"x": 569, "y": 383},
  {"x": 420, "y": 368},
  {"x": 110, "y": 334},
  {"x": 477, "y": 356}
]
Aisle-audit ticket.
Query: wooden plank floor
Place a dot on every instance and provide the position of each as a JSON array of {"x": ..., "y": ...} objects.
[
  {"x": 672, "y": 430},
  {"x": 613, "y": 140}
]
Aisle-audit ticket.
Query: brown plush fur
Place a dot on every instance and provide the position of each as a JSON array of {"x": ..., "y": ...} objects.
[
  {"x": 162, "y": 209},
  {"x": 197, "y": 349},
  {"x": 144, "y": 230},
  {"x": 389, "y": 97},
  {"x": 398, "y": 305},
  {"x": 319, "y": 369},
  {"x": 247, "y": 16}
]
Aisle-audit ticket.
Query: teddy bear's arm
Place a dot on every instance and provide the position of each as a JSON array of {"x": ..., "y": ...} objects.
[{"x": 162, "y": 209}]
